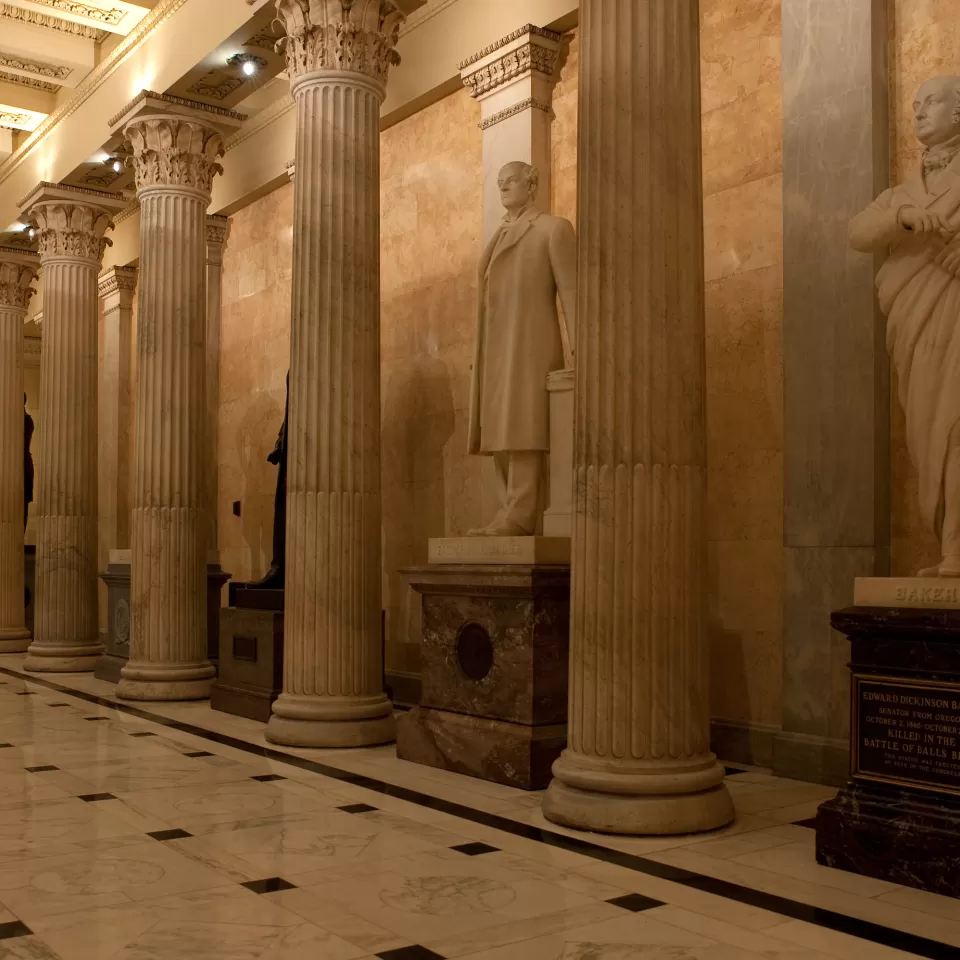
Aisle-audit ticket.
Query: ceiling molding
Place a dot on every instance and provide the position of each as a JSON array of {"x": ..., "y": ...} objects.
[
  {"x": 113, "y": 16},
  {"x": 52, "y": 70},
  {"x": 31, "y": 82},
  {"x": 36, "y": 19},
  {"x": 93, "y": 81},
  {"x": 263, "y": 119}
]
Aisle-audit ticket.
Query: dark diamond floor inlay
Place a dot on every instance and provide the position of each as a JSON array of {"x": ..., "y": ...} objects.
[
  {"x": 15, "y": 928},
  {"x": 169, "y": 834},
  {"x": 475, "y": 849},
  {"x": 26, "y": 693},
  {"x": 732, "y": 771},
  {"x": 273, "y": 885},
  {"x": 3, "y": 746},
  {"x": 40, "y": 769},
  {"x": 58, "y": 704},
  {"x": 635, "y": 902},
  {"x": 357, "y": 808},
  {"x": 142, "y": 734},
  {"x": 268, "y": 777},
  {"x": 95, "y": 718},
  {"x": 199, "y": 753},
  {"x": 416, "y": 952},
  {"x": 810, "y": 822},
  {"x": 94, "y": 797}
]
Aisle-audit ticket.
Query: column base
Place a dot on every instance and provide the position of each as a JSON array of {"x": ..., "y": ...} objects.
[
  {"x": 167, "y": 681},
  {"x": 14, "y": 639},
  {"x": 62, "y": 658},
  {"x": 664, "y": 802},
  {"x": 320, "y": 721}
]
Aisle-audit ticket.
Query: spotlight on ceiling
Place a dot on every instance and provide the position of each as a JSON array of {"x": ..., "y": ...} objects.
[
  {"x": 250, "y": 64},
  {"x": 32, "y": 233},
  {"x": 115, "y": 164}
]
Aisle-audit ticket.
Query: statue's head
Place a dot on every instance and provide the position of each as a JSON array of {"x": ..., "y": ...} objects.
[
  {"x": 518, "y": 183},
  {"x": 937, "y": 111}
]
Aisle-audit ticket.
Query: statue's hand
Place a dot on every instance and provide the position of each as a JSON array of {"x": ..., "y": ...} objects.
[
  {"x": 949, "y": 258},
  {"x": 925, "y": 222}
]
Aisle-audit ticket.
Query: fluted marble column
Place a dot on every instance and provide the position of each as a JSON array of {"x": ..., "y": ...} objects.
[
  {"x": 18, "y": 269},
  {"x": 338, "y": 56},
  {"x": 71, "y": 223},
  {"x": 638, "y": 759},
  {"x": 175, "y": 151}
]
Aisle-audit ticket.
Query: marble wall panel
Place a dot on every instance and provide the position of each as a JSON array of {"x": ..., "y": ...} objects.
[
  {"x": 743, "y": 237},
  {"x": 925, "y": 41}
]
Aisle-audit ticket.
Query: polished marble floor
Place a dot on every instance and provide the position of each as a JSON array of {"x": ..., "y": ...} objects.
[{"x": 166, "y": 832}]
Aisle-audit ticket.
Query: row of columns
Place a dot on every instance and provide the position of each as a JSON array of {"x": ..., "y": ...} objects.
[{"x": 638, "y": 759}]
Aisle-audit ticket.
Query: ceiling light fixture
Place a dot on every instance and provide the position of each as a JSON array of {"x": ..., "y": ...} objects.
[
  {"x": 32, "y": 233},
  {"x": 115, "y": 164},
  {"x": 249, "y": 63}
]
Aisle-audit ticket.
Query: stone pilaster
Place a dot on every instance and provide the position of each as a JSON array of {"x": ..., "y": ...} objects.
[
  {"x": 513, "y": 81},
  {"x": 218, "y": 229},
  {"x": 117, "y": 286},
  {"x": 338, "y": 57},
  {"x": 638, "y": 759},
  {"x": 18, "y": 269},
  {"x": 71, "y": 223},
  {"x": 175, "y": 146}
]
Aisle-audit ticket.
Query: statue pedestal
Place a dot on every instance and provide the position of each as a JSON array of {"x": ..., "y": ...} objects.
[
  {"x": 493, "y": 702},
  {"x": 117, "y": 579},
  {"x": 251, "y": 653},
  {"x": 898, "y": 819}
]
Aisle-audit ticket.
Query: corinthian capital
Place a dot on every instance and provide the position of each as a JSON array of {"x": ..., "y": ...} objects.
[
  {"x": 174, "y": 152},
  {"x": 357, "y": 36},
  {"x": 17, "y": 271},
  {"x": 71, "y": 230}
]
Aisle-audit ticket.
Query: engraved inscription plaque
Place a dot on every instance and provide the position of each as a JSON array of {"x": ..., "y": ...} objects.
[{"x": 907, "y": 732}]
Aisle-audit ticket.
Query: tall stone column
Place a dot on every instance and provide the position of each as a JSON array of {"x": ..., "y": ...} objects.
[
  {"x": 175, "y": 150},
  {"x": 218, "y": 229},
  {"x": 71, "y": 223},
  {"x": 18, "y": 269},
  {"x": 638, "y": 759},
  {"x": 338, "y": 56}
]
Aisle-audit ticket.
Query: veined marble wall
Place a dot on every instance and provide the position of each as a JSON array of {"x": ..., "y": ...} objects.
[
  {"x": 254, "y": 356},
  {"x": 925, "y": 41},
  {"x": 742, "y": 177}
]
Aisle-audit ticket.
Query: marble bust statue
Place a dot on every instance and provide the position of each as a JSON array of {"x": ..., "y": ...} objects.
[
  {"x": 531, "y": 259},
  {"x": 919, "y": 288}
]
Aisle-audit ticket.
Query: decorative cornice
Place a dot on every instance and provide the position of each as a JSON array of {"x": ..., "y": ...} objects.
[
  {"x": 84, "y": 191},
  {"x": 340, "y": 35},
  {"x": 71, "y": 230},
  {"x": 93, "y": 81},
  {"x": 176, "y": 102},
  {"x": 291, "y": 167},
  {"x": 531, "y": 103},
  {"x": 111, "y": 17},
  {"x": 50, "y": 22},
  {"x": 126, "y": 213},
  {"x": 264, "y": 118},
  {"x": 262, "y": 41},
  {"x": 531, "y": 57},
  {"x": 419, "y": 17},
  {"x": 506, "y": 41},
  {"x": 31, "y": 82},
  {"x": 33, "y": 346},
  {"x": 52, "y": 70},
  {"x": 117, "y": 279},
  {"x": 218, "y": 229},
  {"x": 174, "y": 152},
  {"x": 215, "y": 85}
]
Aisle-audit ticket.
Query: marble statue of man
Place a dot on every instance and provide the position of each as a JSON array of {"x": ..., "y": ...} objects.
[
  {"x": 529, "y": 261},
  {"x": 919, "y": 287}
]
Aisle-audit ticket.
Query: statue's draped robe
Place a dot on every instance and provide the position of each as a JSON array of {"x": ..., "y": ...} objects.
[{"x": 922, "y": 303}]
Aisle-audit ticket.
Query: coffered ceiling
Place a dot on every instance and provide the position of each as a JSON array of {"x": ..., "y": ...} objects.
[{"x": 47, "y": 47}]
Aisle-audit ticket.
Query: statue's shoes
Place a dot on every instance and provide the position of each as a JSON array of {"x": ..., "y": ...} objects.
[
  {"x": 948, "y": 567},
  {"x": 499, "y": 530}
]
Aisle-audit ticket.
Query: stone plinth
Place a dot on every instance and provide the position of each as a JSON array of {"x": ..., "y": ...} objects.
[
  {"x": 494, "y": 651},
  {"x": 526, "y": 551},
  {"x": 251, "y": 654},
  {"x": 898, "y": 818},
  {"x": 931, "y": 593}
]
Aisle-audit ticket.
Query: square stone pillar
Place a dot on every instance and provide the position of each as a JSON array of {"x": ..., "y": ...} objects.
[
  {"x": 836, "y": 372},
  {"x": 114, "y": 426},
  {"x": 513, "y": 80},
  {"x": 218, "y": 229}
]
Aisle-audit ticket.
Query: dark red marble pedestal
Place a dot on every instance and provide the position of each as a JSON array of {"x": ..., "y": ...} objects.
[
  {"x": 494, "y": 652},
  {"x": 898, "y": 819}
]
